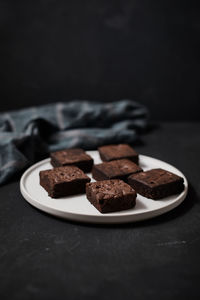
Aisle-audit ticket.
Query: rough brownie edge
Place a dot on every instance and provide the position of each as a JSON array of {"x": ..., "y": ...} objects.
[
  {"x": 158, "y": 192},
  {"x": 112, "y": 204},
  {"x": 98, "y": 175},
  {"x": 134, "y": 159},
  {"x": 85, "y": 166},
  {"x": 65, "y": 189}
]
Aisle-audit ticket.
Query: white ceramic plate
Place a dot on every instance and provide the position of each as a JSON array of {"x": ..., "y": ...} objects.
[{"x": 78, "y": 208}]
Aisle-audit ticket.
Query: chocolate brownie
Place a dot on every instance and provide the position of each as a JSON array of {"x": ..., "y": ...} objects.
[
  {"x": 63, "y": 181},
  {"x": 112, "y": 152},
  {"x": 156, "y": 183},
  {"x": 110, "y": 195},
  {"x": 119, "y": 169},
  {"x": 76, "y": 157}
]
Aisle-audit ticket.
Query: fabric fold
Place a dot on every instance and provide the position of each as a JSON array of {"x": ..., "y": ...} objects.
[{"x": 28, "y": 135}]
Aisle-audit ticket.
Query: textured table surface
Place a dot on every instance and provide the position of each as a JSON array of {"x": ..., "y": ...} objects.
[{"x": 42, "y": 257}]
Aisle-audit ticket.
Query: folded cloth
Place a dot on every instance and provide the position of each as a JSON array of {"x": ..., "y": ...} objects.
[{"x": 29, "y": 134}]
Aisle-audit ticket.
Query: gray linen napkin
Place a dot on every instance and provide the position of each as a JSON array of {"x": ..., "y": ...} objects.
[{"x": 29, "y": 134}]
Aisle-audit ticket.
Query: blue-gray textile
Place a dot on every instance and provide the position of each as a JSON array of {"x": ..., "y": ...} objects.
[{"x": 29, "y": 134}]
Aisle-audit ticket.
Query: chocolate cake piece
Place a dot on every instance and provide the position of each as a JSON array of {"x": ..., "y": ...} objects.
[
  {"x": 112, "y": 152},
  {"x": 63, "y": 181},
  {"x": 110, "y": 195},
  {"x": 77, "y": 157},
  {"x": 156, "y": 183},
  {"x": 119, "y": 169}
]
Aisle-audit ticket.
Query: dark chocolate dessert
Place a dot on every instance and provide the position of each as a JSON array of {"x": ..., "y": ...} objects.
[
  {"x": 110, "y": 195},
  {"x": 156, "y": 183},
  {"x": 77, "y": 157},
  {"x": 112, "y": 152},
  {"x": 116, "y": 169},
  {"x": 63, "y": 181}
]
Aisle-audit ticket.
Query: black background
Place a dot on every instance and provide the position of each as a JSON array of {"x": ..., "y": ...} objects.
[{"x": 105, "y": 50}]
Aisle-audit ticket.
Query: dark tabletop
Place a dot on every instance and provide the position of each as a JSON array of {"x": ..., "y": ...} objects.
[{"x": 42, "y": 257}]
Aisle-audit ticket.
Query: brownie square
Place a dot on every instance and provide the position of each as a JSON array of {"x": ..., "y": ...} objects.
[
  {"x": 77, "y": 157},
  {"x": 63, "y": 181},
  {"x": 112, "y": 152},
  {"x": 110, "y": 195},
  {"x": 116, "y": 169},
  {"x": 156, "y": 183}
]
